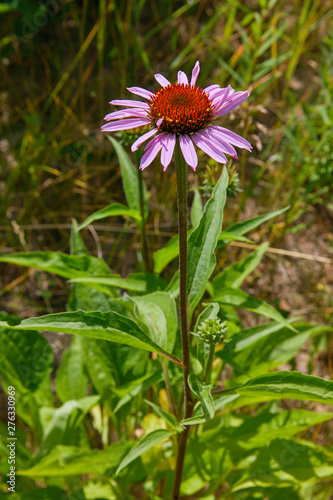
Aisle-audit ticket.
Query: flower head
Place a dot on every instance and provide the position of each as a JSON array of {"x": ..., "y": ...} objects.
[
  {"x": 212, "y": 331},
  {"x": 184, "y": 111}
]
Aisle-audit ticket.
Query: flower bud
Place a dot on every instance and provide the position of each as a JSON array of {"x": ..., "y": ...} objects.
[{"x": 212, "y": 331}]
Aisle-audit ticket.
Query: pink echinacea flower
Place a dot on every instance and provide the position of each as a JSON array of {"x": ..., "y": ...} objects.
[{"x": 184, "y": 111}]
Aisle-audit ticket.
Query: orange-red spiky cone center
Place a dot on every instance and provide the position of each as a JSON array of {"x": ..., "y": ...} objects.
[{"x": 184, "y": 109}]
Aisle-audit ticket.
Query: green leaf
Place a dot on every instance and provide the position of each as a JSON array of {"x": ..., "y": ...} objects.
[
  {"x": 288, "y": 385},
  {"x": 67, "y": 266},
  {"x": 135, "y": 387},
  {"x": 48, "y": 493},
  {"x": 234, "y": 275},
  {"x": 147, "y": 442},
  {"x": 202, "y": 391},
  {"x": 139, "y": 282},
  {"x": 261, "y": 429},
  {"x": 166, "y": 254},
  {"x": 71, "y": 379},
  {"x": 82, "y": 297},
  {"x": 247, "y": 225},
  {"x": 197, "y": 208},
  {"x": 261, "y": 349},
  {"x": 25, "y": 361},
  {"x": 202, "y": 243},
  {"x": 287, "y": 461},
  {"x": 64, "y": 423},
  {"x": 159, "y": 313},
  {"x": 109, "y": 326},
  {"x": 239, "y": 298},
  {"x": 130, "y": 180},
  {"x": 65, "y": 461},
  {"x": 111, "y": 211},
  {"x": 167, "y": 417},
  {"x": 226, "y": 236}
]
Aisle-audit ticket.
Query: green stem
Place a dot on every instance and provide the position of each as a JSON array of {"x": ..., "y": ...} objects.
[
  {"x": 209, "y": 363},
  {"x": 181, "y": 173}
]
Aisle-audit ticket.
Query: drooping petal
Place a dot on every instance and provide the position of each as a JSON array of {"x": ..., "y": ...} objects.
[
  {"x": 129, "y": 103},
  {"x": 187, "y": 148},
  {"x": 162, "y": 80},
  {"x": 212, "y": 135},
  {"x": 233, "y": 103},
  {"x": 233, "y": 138},
  {"x": 151, "y": 152},
  {"x": 152, "y": 143},
  {"x": 126, "y": 113},
  {"x": 146, "y": 94},
  {"x": 168, "y": 146},
  {"x": 208, "y": 148},
  {"x": 124, "y": 125},
  {"x": 182, "y": 78},
  {"x": 135, "y": 146},
  {"x": 195, "y": 73}
]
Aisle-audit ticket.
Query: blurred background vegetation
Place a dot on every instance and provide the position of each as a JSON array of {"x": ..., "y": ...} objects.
[{"x": 62, "y": 61}]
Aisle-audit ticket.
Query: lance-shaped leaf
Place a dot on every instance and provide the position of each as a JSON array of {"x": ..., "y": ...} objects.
[
  {"x": 129, "y": 175},
  {"x": 72, "y": 460},
  {"x": 137, "y": 282},
  {"x": 287, "y": 385},
  {"x": 202, "y": 243},
  {"x": 67, "y": 266},
  {"x": 202, "y": 391},
  {"x": 234, "y": 275},
  {"x": 147, "y": 442},
  {"x": 239, "y": 298},
  {"x": 197, "y": 208},
  {"x": 111, "y": 211},
  {"x": 101, "y": 325},
  {"x": 244, "y": 227}
]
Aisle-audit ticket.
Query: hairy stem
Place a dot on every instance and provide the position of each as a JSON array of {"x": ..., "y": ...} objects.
[{"x": 181, "y": 172}]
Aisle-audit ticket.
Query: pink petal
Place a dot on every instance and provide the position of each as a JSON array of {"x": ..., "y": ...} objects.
[
  {"x": 126, "y": 113},
  {"x": 152, "y": 143},
  {"x": 135, "y": 146},
  {"x": 186, "y": 145},
  {"x": 195, "y": 73},
  {"x": 151, "y": 152},
  {"x": 146, "y": 94},
  {"x": 162, "y": 80},
  {"x": 233, "y": 138},
  {"x": 234, "y": 102},
  {"x": 182, "y": 78},
  {"x": 168, "y": 146},
  {"x": 211, "y": 87},
  {"x": 213, "y": 135},
  {"x": 217, "y": 92},
  {"x": 220, "y": 102},
  {"x": 220, "y": 97},
  {"x": 208, "y": 148},
  {"x": 124, "y": 125},
  {"x": 130, "y": 104}
]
